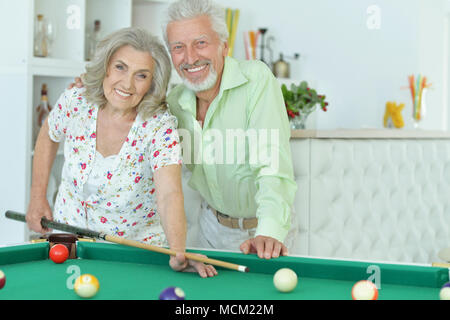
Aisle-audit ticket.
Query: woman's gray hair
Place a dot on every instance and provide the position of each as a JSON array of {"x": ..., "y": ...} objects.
[
  {"x": 155, "y": 99},
  {"x": 190, "y": 9}
]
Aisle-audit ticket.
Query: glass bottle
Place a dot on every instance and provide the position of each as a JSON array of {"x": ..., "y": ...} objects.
[
  {"x": 281, "y": 68},
  {"x": 40, "y": 38},
  {"x": 94, "y": 37},
  {"x": 43, "y": 109}
]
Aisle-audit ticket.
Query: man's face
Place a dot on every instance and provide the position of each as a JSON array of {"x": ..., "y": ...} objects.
[{"x": 197, "y": 52}]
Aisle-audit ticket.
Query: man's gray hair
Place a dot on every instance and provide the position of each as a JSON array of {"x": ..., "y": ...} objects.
[
  {"x": 155, "y": 99},
  {"x": 190, "y": 9}
]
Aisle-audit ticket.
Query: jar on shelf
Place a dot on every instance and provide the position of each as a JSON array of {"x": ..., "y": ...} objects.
[{"x": 40, "y": 38}]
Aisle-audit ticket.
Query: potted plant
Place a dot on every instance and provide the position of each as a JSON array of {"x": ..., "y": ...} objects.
[{"x": 300, "y": 102}]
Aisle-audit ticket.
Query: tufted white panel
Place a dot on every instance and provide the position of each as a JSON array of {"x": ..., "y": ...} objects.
[
  {"x": 370, "y": 199},
  {"x": 300, "y": 149},
  {"x": 192, "y": 202},
  {"x": 379, "y": 199}
]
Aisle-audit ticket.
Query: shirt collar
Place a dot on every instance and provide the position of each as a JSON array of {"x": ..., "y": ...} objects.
[{"x": 232, "y": 75}]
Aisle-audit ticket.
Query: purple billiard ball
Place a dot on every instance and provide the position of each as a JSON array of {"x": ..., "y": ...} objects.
[{"x": 172, "y": 293}]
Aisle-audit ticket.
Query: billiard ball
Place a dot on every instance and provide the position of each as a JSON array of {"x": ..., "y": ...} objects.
[
  {"x": 364, "y": 290},
  {"x": 285, "y": 280},
  {"x": 172, "y": 293},
  {"x": 59, "y": 253},
  {"x": 86, "y": 286},
  {"x": 444, "y": 294},
  {"x": 2, "y": 279}
]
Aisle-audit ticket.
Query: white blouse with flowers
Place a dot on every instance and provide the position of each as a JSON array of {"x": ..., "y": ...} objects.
[{"x": 120, "y": 197}]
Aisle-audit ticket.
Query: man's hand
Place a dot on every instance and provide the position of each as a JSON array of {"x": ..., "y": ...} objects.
[
  {"x": 180, "y": 263},
  {"x": 264, "y": 247},
  {"x": 78, "y": 83}
]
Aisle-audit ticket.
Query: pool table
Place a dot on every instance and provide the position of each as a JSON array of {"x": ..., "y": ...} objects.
[{"x": 132, "y": 273}]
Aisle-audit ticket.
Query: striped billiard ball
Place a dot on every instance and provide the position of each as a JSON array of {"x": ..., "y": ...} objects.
[
  {"x": 86, "y": 286},
  {"x": 2, "y": 279}
]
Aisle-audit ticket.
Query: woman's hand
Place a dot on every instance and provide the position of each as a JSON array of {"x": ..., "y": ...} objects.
[
  {"x": 38, "y": 208},
  {"x": 180, "y": 263},
  {"x": 44, "y": 155},
  {"x": 170, "y": 202}
]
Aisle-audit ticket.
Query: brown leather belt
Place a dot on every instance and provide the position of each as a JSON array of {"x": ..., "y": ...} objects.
[{"x": 233, "y": 223}]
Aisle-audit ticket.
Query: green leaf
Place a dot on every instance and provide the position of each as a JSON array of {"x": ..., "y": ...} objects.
[
  {"x": 301, "y": 98},
  {"x": 304, "y": 85}
]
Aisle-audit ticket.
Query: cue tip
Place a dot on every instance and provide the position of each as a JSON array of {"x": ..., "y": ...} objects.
[{"x": 243, "y": 269}]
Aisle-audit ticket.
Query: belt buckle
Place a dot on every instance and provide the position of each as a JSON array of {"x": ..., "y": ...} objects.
[
  {"x": 229, "y": 222},
  {"x": 217, "y": 216},
  {"x": 215, "y": 212},
  {"x": 224, "y": 219}
]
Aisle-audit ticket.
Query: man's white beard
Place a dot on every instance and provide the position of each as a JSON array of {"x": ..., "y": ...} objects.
[{"x": 206, "y": 84}]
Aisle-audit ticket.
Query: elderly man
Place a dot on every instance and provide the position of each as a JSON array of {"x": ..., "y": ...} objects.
[
  {"x": 235, "y": 132},
  {"x": 231, "y": 116}
]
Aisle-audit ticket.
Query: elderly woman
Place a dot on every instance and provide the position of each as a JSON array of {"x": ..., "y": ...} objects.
[{"x": 122, "y": 172}]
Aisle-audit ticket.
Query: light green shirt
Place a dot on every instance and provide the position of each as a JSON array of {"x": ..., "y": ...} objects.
[{"x": 241, "y": 159}]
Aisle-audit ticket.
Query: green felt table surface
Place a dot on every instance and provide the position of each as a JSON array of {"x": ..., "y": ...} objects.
[{"x": 131, "y": 273}]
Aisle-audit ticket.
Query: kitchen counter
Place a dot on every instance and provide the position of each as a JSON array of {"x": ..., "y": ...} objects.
[{"x": 370, "y": 134}]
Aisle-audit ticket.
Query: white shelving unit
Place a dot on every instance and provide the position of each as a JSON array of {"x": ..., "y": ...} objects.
[{"x": 22, "y": 75}]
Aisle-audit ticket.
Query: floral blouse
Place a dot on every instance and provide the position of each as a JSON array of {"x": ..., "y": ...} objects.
[{"x": 125, "y": 202}]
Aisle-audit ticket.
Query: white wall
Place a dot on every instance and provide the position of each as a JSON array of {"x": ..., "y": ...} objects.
[
  {"x": 433, "y": 59},
  {"x": 13, "y": 125},
  {"x": 359, "y": 69},
  {"x": 14, "y": 157}
]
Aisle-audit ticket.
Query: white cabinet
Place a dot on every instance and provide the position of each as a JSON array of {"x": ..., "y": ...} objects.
[
  {"x": 372, "y": 194},
  {"x": 22, "y": 75}
]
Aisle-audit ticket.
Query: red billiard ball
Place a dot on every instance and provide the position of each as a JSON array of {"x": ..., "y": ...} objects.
[
  {"x": 59, "y": 253},
  {"x": 2, "y": 279}
]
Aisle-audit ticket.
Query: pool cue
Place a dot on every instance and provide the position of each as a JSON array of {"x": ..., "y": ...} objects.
[
  {"x": 48, "y": 224},
  {"x": 441, "y": 265}
]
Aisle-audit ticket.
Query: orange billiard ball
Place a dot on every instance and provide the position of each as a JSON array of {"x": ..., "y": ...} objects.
[
  {"x": 59, "y": 253},
  {"x": 86, "y": 286}
]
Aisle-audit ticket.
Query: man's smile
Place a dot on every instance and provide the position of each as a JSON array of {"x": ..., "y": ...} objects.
[{"x": 192, "y": 70}]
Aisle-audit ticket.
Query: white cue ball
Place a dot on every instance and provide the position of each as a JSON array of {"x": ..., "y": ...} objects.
[
  {"x": 444, "y": 294},
  {"x": 285, "y": 280}
]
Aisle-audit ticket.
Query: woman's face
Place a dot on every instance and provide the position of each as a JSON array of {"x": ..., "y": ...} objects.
[{"x": 128, "y": 78}]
